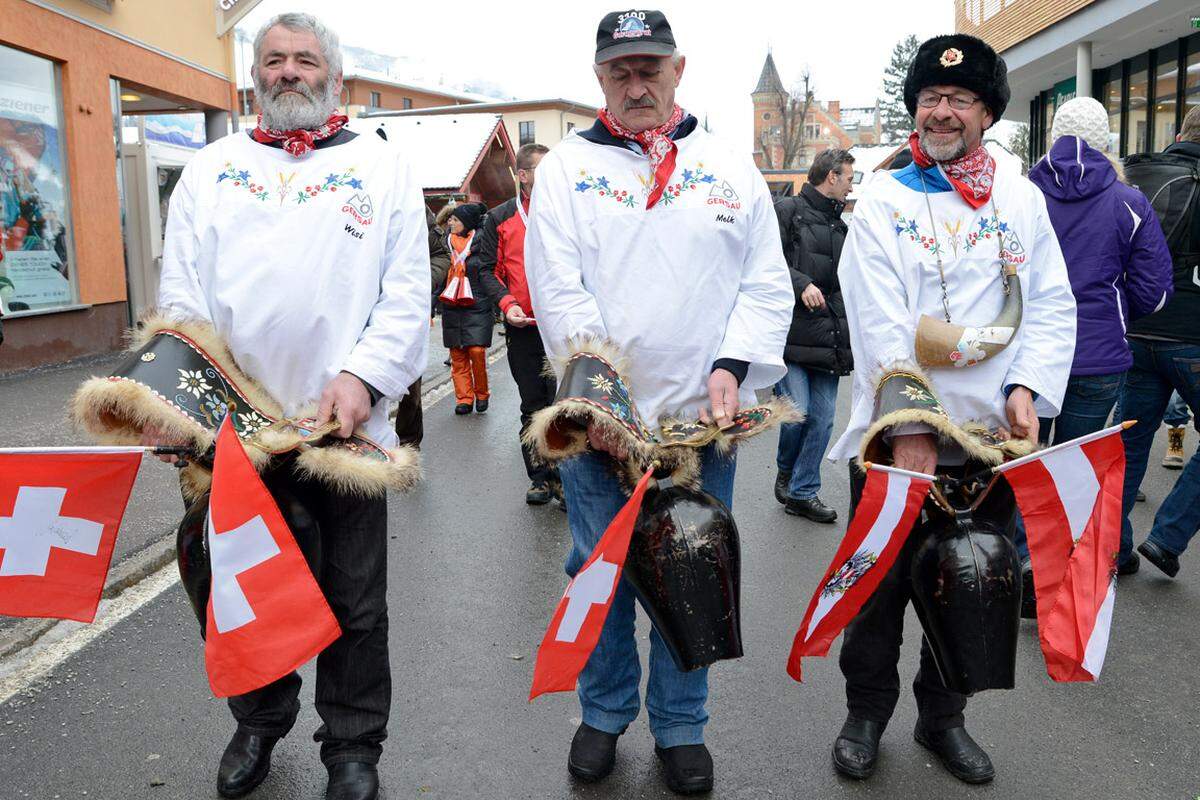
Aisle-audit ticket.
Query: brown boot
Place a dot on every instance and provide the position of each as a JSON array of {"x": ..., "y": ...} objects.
[{"x": 1174, "y": 457}]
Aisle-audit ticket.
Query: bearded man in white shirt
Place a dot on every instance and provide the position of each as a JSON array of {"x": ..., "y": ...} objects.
[
  {"x": 650, "y": 235},
  {"x": 304, "y": 246}
]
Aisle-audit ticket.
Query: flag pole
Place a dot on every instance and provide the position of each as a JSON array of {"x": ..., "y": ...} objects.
[
  {"x": 1081, "y": 440},
  {"x": 897, "y": 471}
]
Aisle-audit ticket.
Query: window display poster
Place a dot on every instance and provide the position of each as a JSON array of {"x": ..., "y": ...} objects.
[{"x": 35, "y": 270}]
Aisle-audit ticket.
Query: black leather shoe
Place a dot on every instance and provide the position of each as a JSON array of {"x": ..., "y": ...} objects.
[
  {"x": 782, "y": 479},
  {"x": 1131, "y": 565},
  {"x": 687, "y": 768},
  {"x": 958, "y": 752},
  {"x": 593, "y": 754},
  {"x": 812, "y": 509},
  {"x": 538, "y": 494},
  {"x": 1140, "y": 497},
  {"x": 245, "y": 763},
  {"x": 1160, "y": 558},
  {"x": 353, "y": 780},
  {"x": 481, "y": 406},
  {"x": 856, "y": 748},
  {"x": 1028, "y": 596},
  {"x": 462, "y": 408}
]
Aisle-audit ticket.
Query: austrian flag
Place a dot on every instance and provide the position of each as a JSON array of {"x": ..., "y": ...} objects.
[
  {"x": 886, "y": 513},
  {"x": 1070, "y": 499}
]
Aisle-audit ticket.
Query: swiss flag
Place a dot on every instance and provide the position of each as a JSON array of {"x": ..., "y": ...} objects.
[
  {"x": 886, "y": 513},
  {"x": 59, "y": 516},
  {"x": 1070, "y": 499},
  {"x": 579, "y": 618},
  {"x": 266, "y": 614}
]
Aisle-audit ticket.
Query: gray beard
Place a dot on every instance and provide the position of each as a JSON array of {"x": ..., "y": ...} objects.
[
  {"x": 942, "y": 153},
  {"x": 306, "y": 111}
]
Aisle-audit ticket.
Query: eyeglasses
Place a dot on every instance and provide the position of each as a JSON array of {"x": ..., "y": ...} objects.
[{"x": 959, "y": 102}]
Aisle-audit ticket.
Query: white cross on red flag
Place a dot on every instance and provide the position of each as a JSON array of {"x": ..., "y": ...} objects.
[
  {"x": 266, "y": 614},
  {"x": 1070, "y": 499},
  {"x": 885, "y": 515},
  {"x": 59, "y": 515},
  {"x": 579, "y": 618}
]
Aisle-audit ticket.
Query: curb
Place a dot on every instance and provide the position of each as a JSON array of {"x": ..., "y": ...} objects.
[{"x": 156, "y": 555}]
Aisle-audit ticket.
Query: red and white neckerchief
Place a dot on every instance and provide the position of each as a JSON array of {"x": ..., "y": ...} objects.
[
  {"x": 972, "y": 175},
  {"x": 300, "y": 142},
  {"x": 656, "y": 143}
]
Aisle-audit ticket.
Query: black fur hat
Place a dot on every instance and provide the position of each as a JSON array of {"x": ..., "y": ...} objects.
[{"x": 959, "y": 60}]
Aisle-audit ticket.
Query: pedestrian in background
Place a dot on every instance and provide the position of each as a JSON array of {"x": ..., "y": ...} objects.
[
  {"x": 1119, "y": 266},
  {"x": 467, "y": 329},
  {"x": 501, "y": 253},
  {"x": 818, "y": 343}
]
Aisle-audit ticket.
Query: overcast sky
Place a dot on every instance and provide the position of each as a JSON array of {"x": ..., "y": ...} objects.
[{"x": 544, "y": 48}]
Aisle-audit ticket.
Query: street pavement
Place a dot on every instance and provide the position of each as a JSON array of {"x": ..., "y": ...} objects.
[{"x": 473, "y": 577}]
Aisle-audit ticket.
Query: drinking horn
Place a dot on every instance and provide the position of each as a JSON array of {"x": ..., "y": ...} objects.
[
  {"x": 966, "y": 583},
  {"x": 943, "y": 344}
]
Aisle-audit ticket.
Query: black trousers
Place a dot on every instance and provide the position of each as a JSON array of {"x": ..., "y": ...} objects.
[
  {"x": 526, "y": 361},
  {"x": 871, "y": 648},
  {"x": 348, "y": 554},
  {"x": 410, "y": 420}
]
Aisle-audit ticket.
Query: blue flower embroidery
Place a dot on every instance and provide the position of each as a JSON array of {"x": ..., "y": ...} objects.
[
  {"x": 602, "y": 182},
  {"x": 687, "y": 175},
  {"x": 244, "y": 175},
  {"x": 331, "y": 178},
  {"x": 708, "y": 178},
  {"x": 582, "y": 186}
]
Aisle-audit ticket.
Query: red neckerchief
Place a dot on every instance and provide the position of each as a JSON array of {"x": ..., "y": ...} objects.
[
  {"x": 656, "y": 143},
  {"x": 972, "y": 175},
  {"x": 300, "y": 142}
]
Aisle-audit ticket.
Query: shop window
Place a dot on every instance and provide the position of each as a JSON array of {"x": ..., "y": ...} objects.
[
  {"x": 1135, "y": 125},
  {"x": 526, "y": 133},
  {"x": 1166, "y": 78},
  {"x": 1050, "y": 107},
  {"x": 1112, "y": 104},
  {"x": 37, "y": 268},
  {"x": 1191, "y": 86}
]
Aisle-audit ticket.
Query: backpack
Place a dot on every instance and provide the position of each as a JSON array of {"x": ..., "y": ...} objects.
[{"x": 1171, "y": 181}]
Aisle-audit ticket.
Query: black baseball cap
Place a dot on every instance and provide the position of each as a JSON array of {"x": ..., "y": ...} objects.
[{"x": 633, "y": 33}]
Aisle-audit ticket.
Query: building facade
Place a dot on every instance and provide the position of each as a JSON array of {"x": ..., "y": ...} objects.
[
  {"x": 1140, "y": 59},
  {"x": 543, "y": 121},
  {"x": 69, "y": 71}
]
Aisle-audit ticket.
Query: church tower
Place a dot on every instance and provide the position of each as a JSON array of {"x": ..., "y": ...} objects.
[{"x": 766, "y": 97}]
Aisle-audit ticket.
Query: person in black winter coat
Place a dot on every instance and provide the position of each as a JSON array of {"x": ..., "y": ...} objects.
[
  {"x": 817, "y": 352},
  {"x": 467, "y": 329}
]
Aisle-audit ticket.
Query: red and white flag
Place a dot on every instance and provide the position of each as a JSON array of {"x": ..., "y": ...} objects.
[
  {"x": 60, "y": 510},
  {"x": 1070, "y": 499},
  {"x": 579, "y": 618},
  {"x": 266, "y": 614},
  {"x": 886, "y": 513}
]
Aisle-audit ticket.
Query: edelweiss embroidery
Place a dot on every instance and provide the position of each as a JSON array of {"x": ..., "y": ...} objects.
[
  {"x": 241, "y": 177},
  {"x": 332, "y": 183},
  {"x": 602, "y": 188}
]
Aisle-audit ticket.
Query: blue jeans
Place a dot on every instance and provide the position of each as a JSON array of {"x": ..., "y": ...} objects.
[
  {"x": 1158, "y": 369},
  {"x": 802, "y": 444},
  {"x": 608, "y": 685},
  {"x": 1088, "y": 401},
  {"x": 1177, "y": 412}
]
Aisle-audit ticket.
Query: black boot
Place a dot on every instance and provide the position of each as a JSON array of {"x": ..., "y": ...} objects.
[
  {"x": 812, "y": 509},
  {"x": 856, "y": 748},
  {"x": 782, "y": 479},
  {"x": 958, "y": 752},
  {"x": 245, "y": 763},
  {"x": 1160, "y": 558},
  {"x": 593, "y": 754},
  {"x": 687, "y": 768},
  {"x": 538, "y": 494},
  {"x": 353, "y": 780}
]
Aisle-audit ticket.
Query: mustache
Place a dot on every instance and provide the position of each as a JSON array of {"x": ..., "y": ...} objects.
[
  {"x": 284, "y": 85},
  {"x": 642, "y": 102}
]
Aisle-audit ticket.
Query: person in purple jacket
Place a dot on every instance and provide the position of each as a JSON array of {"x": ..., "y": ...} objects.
[{"x": 1117, "y": 260}]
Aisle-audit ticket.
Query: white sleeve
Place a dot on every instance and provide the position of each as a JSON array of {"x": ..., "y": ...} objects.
[
  {"x": 1043, "y": 363},
  {"x": 882, "y": 330},
  {"x": 758, "y": 325},
  {"x": 392, "y": 350},
  {"x": 564, "y": 308},
  {"x": 179, "y": 284}
]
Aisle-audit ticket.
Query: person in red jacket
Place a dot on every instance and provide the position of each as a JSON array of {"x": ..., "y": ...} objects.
[{"x": 501, "y": 254}]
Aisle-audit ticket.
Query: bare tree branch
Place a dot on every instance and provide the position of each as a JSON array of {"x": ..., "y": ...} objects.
[{"x": 791, "y": 110}]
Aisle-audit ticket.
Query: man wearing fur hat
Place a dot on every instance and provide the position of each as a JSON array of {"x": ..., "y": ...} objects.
[
  {"x": 305, "y": 248},
  {"x": 962, "y": 326},
  {"x": 648, "y": 234}
]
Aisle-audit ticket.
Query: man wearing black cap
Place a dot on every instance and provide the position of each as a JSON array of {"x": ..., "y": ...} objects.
[
  {"x": 649, "y": 235},
  {"x": 935, "y": 241}
]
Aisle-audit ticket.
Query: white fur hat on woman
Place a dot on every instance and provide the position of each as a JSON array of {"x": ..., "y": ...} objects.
[{"x": 1083, "y": 117}]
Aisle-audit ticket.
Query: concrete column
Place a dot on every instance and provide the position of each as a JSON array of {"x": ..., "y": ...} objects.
[
  {"x": 1083, "y": 69},
  {"x": 216, "y": 124}
]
